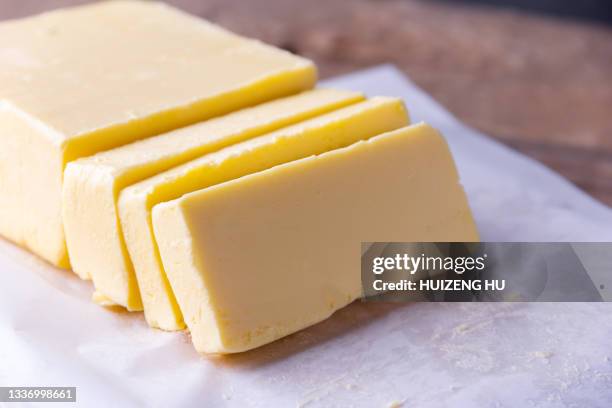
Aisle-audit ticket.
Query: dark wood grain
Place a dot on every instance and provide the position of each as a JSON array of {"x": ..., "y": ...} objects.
[{"x": 541, "y": 85}]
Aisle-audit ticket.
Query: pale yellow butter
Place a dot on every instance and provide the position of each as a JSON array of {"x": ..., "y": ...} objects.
[
  {"x": 259, "y": 257},
  {"x": 336, "y": 129},
  {"x": 78, "y": 81},
  {"x": 92, "y": 184}
]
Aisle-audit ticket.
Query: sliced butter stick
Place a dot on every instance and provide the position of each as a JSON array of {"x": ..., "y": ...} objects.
[
  {"x": 92, "y": 184},
  {"x": 78, "y": 81},
  {"x": 340, "y": 128},
  {"x": 257, "y": 258}
]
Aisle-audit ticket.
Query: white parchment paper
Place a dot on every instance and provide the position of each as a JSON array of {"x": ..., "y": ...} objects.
[{"x": 370, "y": 355}]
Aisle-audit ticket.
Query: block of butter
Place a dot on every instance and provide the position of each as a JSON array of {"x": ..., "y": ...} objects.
[
  {"x": 262, "y": 256},
  {"x": 92, "y": 184},
  {"x": 327, "y": 132},
  {"x": 78, "y": 81}
]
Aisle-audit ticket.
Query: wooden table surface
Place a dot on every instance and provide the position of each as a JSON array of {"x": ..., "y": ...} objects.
[{"x": 540, "y": 85}]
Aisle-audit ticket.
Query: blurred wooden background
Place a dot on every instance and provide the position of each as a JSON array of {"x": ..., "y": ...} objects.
[{"x": 538, "y": 84}]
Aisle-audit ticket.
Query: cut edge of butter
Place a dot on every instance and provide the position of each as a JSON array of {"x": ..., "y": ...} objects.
[
  {"x": 211, "y": 318},
  {"x": 332, "y": 130}
]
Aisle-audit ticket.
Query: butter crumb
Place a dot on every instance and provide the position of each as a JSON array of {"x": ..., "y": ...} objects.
[
  {"x": 462, "y": 328},
  {"x": 544, "y": 355}
]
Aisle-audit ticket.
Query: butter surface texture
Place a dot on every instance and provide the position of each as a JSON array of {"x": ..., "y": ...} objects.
[
  {"x": 257, "y": 258},
  {"x": 78, "y": 81},
  {"x": 92, "y": 184},
  {"x": 314, "y": 136}
]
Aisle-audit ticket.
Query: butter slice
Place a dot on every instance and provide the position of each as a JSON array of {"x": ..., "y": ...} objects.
[
  {"x": 92, "y": 184},
  {"x": 336, "y": 129},
  {"x": 78, "y": 81},
  {"x": 257, "y": 258}
]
